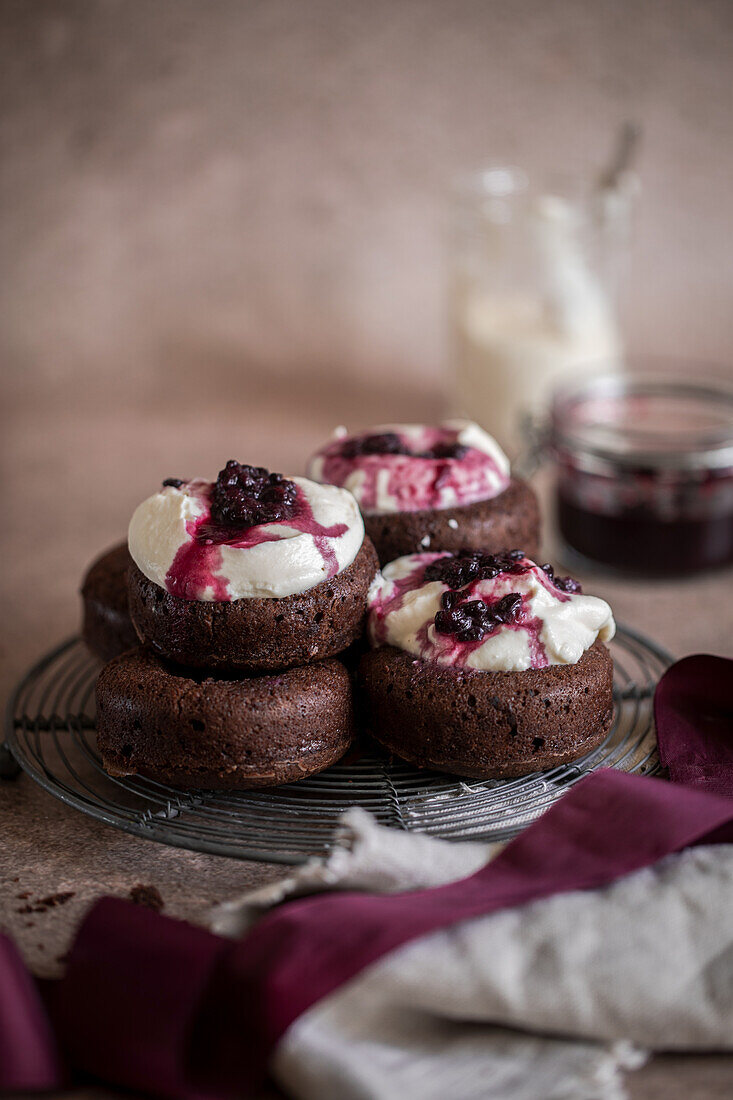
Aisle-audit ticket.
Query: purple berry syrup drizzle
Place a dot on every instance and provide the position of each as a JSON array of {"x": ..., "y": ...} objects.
[
  {"x": 431, "y": 471},
  {"x": 241, "y": 507},
  {"x": 465, "y": 614}
]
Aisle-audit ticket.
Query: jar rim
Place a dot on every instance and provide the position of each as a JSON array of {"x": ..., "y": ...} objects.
[
  {"x": 498, "y": 192},
  {"x": 650, "y": 418}
]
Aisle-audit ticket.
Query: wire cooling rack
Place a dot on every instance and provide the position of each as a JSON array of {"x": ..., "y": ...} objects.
[{"x": 50, "y": 733}]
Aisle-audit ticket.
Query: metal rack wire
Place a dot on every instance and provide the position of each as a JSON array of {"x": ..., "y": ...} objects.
[{"x": 50, "y": 733}]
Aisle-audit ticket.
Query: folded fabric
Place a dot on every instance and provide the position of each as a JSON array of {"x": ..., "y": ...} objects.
[
  {"x": 408, "y": 1025},
  {"x": 551, "y": 999},
  {"x": 693, "y": 712},
  {"x": 361, "y": 860},
  {"x": 157, "y": 1005},
  {"x": 29, "y": 1056}
]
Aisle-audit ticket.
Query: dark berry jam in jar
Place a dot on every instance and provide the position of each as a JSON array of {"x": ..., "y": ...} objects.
[{"x": 645, "y": 470}]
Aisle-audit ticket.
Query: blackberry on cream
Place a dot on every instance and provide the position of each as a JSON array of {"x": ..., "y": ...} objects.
[
  {"x": 485, "y": 665},
  {"x": 248, "y": 534},
  {"x": 501, "y": 613}
]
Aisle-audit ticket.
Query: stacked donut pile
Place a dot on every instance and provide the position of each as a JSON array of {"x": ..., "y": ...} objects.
[
  {"x": 242, "y": 592},
  {"x": 235, "y": 619}
]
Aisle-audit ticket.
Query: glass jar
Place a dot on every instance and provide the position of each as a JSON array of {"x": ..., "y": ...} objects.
[
  {"x": 644, "y": 466},
  {"x": 532, "y": 270}
]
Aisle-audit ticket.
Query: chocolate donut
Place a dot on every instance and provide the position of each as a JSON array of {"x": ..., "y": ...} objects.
[
  {"x": 162, "y": 722},
  {"x": 255, "y": 635},
  {"x": 432, "y": 487},
  {"x": 487, "y": 725},
  {"x": 510, "y": 519},
  {"x": 106, "y": 625}
]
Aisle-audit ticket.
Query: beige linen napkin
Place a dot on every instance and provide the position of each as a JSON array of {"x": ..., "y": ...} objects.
[{"x": 549, "y": 1001}]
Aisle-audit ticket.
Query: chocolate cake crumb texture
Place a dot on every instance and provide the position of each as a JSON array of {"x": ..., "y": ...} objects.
[
  {"x": 107, "y": 628},
  {"x": 510, "y": 519},
  {"x": 486, "y": 724},
  {"x": 51, "y": 901},
  {"x": 147, "y": 896},
  {"x": 255, "y": 635},
  {"x": 199, "y": 730}
]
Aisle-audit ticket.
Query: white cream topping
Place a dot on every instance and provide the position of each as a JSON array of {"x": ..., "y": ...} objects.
[
  {"x": 554, "y": 628},
  {"x": 297, "y": 555},
  {"x": 471, "y": 435},
  {"x": 390, "y": 483}
]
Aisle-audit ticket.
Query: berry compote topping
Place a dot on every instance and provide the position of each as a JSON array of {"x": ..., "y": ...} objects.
[
  {"x": 247, "y": 496},
  {"x": 467, "y": 566},
  {"x": 386, "y": 443},
  {"x": 458, "y": 570},
  {"x": 389, "y": 443},
  {"x": 473, "y": 620},
  {"x": 445, "y": 450},
  {"x": 565, "y": 584}
]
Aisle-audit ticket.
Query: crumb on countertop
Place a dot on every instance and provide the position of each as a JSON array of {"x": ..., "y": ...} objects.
[{"x": 149, "y": 896}]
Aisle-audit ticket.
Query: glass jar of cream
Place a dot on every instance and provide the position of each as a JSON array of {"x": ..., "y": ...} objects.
[{"x": 644, "y": 466}]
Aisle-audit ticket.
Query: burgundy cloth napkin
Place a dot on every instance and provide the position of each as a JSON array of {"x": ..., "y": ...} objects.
[
  {"x": 153, "y": 1004},
  {"x": 29, "y": 1057},
  {"x": 693, "y": 711}
]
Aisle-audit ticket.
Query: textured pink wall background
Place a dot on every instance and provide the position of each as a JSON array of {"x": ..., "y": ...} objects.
[{"x": 238, "y": 183}]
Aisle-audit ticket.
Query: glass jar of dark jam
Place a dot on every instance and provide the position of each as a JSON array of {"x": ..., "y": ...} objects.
[{"x": 645, "y": 470}]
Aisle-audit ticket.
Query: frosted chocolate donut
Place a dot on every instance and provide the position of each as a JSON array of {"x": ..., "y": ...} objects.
[
  {"x": 250, "y": 573},
  {"x": 421, "y": 487},
  {"x": 486, "y": 666}
]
